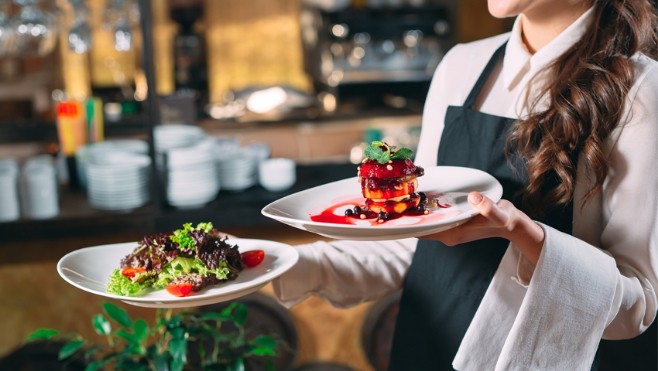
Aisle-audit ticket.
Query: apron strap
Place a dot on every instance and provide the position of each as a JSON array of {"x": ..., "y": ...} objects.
[{"x": 484, "y": 76}]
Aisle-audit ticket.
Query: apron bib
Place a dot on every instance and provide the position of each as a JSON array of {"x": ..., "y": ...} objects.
[{"x": 445, "y": 285}]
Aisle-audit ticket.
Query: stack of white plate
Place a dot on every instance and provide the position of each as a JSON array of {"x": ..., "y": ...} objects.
[
  {"x": 226, "y": 144},
  {"x": 170, "y": 137},
  {"x": 9, "y": 204},
  {"x": 167, "y": 137},
  {"x": 237, "y": 170},
  {"x": 191, "y": 175},
  {"x": 99, "y": 149},
  {"x": 238, "y": 166},
  {"x": 118, "y": 181}
]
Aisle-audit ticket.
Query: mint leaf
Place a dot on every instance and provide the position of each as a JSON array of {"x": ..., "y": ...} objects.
[
  {"x": 377, "y": 154},
  {"x": 383, "y": 153},
  {"x": 402, "y": 154}
]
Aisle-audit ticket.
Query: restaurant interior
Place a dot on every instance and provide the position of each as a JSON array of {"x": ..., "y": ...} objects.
[{"x": 91, "y": 90}]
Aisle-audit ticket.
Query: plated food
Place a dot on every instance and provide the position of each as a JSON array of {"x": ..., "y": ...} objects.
[
  {"x": 89, "y": 269},
  {"x": 182, "y": 262},
  {"x": 323, "y": 209},
  {"x": 389, "y": 181}
]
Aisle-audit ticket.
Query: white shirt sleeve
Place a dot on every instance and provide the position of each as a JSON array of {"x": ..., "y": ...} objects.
[
  {"x": 346, "y": 273},
  {"x": 630, "y": 209},
  {"x": 623, "y": 220}
]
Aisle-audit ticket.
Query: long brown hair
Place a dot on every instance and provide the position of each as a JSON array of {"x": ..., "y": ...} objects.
[{"x": 586, "y": 92}]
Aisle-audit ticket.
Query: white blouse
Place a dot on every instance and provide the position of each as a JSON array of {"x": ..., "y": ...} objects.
[{"x": 612, "y": 256}]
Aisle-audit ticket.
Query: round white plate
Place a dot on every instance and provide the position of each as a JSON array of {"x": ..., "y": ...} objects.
[
  {"x": 89, "y": 269},
  {"x": 453, "y": 183}
]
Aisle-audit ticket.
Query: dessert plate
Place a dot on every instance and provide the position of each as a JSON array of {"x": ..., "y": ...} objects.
[
  {"x": 89, "y": 268},
  {"x": 448, "y": 185}
]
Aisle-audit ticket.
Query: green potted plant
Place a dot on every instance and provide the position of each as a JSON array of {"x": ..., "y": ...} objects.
[{"x": 177, "y": 341}]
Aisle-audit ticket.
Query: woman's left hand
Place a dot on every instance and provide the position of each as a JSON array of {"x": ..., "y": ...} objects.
[{"x": 496, "y": 220}]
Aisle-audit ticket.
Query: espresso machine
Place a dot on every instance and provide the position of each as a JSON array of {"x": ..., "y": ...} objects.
[{"x": 373, "y": 55}]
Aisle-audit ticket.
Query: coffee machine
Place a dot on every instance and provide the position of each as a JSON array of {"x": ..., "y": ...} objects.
[{"x": 371, "y": 54}]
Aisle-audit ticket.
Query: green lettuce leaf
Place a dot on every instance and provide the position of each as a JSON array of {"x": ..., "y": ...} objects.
[
  {"x": 121, "y": 285},
  {"x": 181, "y": 266}
]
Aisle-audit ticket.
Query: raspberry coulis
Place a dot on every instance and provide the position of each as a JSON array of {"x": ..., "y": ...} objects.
[{"x": 338, "y": 212}]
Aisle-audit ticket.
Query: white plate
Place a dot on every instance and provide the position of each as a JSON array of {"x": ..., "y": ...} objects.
[
  {"x": 89, "y": 268},
  {"x": 453, "y": 183}
]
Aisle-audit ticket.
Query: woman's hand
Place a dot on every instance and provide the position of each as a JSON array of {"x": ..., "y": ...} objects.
[{"x": 496, "y": 220}]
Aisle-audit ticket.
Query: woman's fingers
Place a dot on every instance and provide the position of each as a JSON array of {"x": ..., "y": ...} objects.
[
  {"x": 496, "y": 214},
  {"x": 491, "y": 222},
  {"x": 500, "y": 219}
]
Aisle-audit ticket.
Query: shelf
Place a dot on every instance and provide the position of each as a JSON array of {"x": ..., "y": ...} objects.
[
  {"x": 243, "y": 209},
  {"x": 228, "y": 210},
  {"x": 77, "y": 219},
  {"x": 46, "y": 131}
]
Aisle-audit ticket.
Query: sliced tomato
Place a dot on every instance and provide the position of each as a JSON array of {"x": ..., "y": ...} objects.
[
  {"x": 130, "y": 272},
  {"x": 179, "y": 289},
  {"x": 253, "y": 257}
]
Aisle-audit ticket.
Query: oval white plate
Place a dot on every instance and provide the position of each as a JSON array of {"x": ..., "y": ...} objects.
[
  {"x": 454, "y": 182},
  {"x": 89, "y": 269}
]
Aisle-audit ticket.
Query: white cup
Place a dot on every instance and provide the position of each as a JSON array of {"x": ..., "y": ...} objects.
[
  {"x": 40, "y": 196},
  {"x": 277, "y": 174},
  {"x": 9, "y": 204}
]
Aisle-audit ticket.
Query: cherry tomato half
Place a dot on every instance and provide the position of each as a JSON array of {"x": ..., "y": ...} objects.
[
  {"x": 179, "y": 289},
  {"x": 253, "y": 257},
  {"x": 130, "y": 272}
]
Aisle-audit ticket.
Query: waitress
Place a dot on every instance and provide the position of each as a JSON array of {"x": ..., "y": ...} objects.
[{"x": 562, "y": 111}]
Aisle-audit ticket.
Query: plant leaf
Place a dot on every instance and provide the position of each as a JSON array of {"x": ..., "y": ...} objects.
[
  {"x": 127, "y": 336},
  {"x": 117, "y": 314},
  {"x": 174, "y": 321},
  {"x": 237, "y": 365},
  {"x": 263, "y": 346},
  {"x": 93, "y": 349},
  {"x": 42, "y": 334},
  {"x": 177, "y": 365},
  {"x": 95, "y": 365},
  {"x": 228, "y": 311},
  {"x": 70, "y": 348},
  {"x": 216, "y": 316},
  {"x": 240, "y": 314},
  {"x": 178, "y": 349},
  {"x": 101, "y": 325},
  {"x": 141, "y": 330},
  {"x": 160, "y": 361}
]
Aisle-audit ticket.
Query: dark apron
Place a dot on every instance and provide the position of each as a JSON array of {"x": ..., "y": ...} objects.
[{"x": 445, "y": 285}]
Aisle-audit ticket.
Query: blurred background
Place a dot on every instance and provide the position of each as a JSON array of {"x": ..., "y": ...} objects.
[{"x": 120, "y": 118}]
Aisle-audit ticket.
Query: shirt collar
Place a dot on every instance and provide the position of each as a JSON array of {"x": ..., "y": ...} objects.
[{"x": 519, "y": 62}]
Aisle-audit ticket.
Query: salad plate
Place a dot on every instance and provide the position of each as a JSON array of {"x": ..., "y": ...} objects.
[
  {"x": 448, "y": 185},
  {"x": 89, "y": 269}
]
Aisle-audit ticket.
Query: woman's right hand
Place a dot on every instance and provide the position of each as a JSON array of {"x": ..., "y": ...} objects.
[{"x": 500, "y": 219}]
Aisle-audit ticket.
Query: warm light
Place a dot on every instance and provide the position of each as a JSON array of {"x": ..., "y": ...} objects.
[{"x": 328, "y": 102}]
